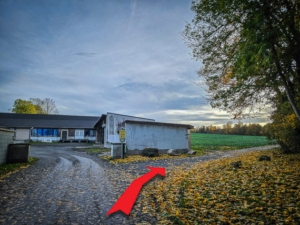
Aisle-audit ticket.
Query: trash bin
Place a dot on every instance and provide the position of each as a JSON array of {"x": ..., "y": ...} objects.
[{"x": 17, "y": 153}]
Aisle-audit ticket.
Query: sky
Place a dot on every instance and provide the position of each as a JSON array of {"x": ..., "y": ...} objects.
[{"x": 98, "y": 56}]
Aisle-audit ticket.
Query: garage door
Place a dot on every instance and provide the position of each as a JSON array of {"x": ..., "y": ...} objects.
[{"x": 22, "y": 134}]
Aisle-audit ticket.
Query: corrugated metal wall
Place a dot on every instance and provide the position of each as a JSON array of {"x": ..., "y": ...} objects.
[
  {"x": 140, "y": 136},
  {"x": 6, "y": 137}
]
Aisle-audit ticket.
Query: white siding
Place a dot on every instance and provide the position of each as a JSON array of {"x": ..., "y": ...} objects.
[
  {"x": 22, "y": 134},
  {"x": 140, "y": 136},
  {"x": 113, "y": 124}
]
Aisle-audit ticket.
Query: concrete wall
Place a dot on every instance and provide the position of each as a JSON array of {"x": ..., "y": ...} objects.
[
  {"x": 140, "y": 136},
  {"x": 6, "y": 137}
]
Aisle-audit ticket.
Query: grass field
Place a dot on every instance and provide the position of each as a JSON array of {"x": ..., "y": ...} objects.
[{"x": 207, "y": 142}]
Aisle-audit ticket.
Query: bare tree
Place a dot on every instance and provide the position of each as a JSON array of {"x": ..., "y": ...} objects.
[
  {"x": 45, "y": 106},
  {"x": 49, "y": 106}
]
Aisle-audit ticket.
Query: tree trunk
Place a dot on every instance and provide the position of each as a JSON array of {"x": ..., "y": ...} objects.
[{"x": 286, "y": 87}]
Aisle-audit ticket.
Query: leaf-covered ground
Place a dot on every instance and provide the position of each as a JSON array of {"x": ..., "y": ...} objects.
[
  {"x": 214, "y": 192},
  {"x": 140, "y": 158},
  {"x": 7, "y": 169}
]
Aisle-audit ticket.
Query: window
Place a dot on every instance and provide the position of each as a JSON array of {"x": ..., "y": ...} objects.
[
  {"x": 44, "y": 132},
  {"x": 111, "y": 125},
  {"x": 39, "y": 132},
  {"x": 90, "y": 133},
  {"x": 33, "y": 132},
  {"x": 79, "y": 133}
]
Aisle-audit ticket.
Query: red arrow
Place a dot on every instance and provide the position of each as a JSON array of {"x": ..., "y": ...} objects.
[{"x": 127, "y": 199}]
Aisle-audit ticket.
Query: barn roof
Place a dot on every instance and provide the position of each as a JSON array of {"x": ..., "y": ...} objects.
[
  {"x": 103, "y": 118},
  {"x": 13, "y": 120},
  {"x": 158, "y": 124}
]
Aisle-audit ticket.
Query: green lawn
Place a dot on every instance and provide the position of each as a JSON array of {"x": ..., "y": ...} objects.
[{"x": 206, "y": 142}]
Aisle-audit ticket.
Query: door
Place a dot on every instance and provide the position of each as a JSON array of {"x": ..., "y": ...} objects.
[{"x": 64, "y": 135}]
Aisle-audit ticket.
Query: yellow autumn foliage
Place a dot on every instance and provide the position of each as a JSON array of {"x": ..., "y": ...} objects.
[
  {"x": 140, "y": 158},
  {"x": 214, "y": 192}
]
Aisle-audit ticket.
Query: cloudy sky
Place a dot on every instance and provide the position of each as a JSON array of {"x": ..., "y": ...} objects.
[{"x": 93, "y": 57}]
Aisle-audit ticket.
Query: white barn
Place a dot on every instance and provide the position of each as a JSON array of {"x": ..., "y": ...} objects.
[
  {"x": 108, "y": 127},
  {"x": 142, "y": 133}
]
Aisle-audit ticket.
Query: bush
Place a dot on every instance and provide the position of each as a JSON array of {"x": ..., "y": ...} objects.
[{"x": 285, "y": 128}]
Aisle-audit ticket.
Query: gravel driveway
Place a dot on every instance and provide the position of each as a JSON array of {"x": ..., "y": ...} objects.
[
  {"x": 70, "y": 187},
  {"x": 63, "y": 187}
]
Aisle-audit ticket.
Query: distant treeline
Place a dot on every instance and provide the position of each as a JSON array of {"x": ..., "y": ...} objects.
[{"x": 230, "y": 128}]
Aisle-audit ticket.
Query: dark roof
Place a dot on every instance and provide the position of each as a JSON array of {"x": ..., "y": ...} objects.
[
  {"x": 13, "y": 120},
  {"x": 99, "y": 121},
  {"x": 159, "y": 124}
]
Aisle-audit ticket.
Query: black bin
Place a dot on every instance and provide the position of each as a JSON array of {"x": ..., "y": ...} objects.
[{"x": 17, "y": 153}]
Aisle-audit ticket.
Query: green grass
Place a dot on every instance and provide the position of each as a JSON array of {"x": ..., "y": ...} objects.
[
  {"x": 42, "y": 143},
  {"x": 8, "y": 168},
  {"x": 93, "y": 151},
  {"x": 96, "y": 150},
  {"x": 208, "y": 142}
]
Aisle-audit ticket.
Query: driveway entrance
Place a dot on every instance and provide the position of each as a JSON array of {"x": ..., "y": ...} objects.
[{"x": 63, "y": 187}]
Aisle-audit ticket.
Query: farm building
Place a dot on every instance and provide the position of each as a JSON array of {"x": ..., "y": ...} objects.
[
  {"x": 163, "y": 136},
  {"x": 142, "y": 133},
  {"x": 108, "y": 127},
  {"x": 50, "y": 128}
]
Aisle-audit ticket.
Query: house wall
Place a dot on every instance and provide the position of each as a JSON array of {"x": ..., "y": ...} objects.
[
  {"x": 22, "y": 134},
  {"x": 45, "y": 139},
  {"x": 113, "y": 124},
  {"x": 6, "y": 138},
  {"x": 140, "y": 136}
]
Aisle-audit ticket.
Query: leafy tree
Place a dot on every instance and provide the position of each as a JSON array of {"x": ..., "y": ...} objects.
[
  {"x": 250, "y": 52},
  {"x": 251, "y": 59},
  {"x": 23, "y": 107},
  {"x": 38, "y": 103},
  {"x": 35, "y": 106}
]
